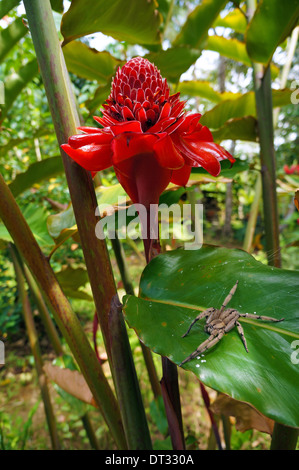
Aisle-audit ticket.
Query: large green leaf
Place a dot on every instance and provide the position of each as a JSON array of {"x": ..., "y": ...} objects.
[
  {"x": 198, "y": 23},
  {"x": 272, "y": 22},
  {"x": 73, "y": 281},
  {"x": 65, "y": 220},
  {"x": 7, "y": 5},
  {"x": 244, "y": 128},
  {"x": 231, "y": 48},
  {"x": 136, "y": 21},
  {"x": 174, "y": 61},
  {"x": 235, "y": 20},
  {"x": 11, "y": 35},
  {"x": 89, "y": 63},
  {"x": 35, "y": 173},
  {"x": 204, "y": 89},
  {"x": 241, "y": 107},
  {"x": 177, "y": 285}
]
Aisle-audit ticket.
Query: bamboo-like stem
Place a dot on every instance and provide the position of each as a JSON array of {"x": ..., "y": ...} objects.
[
  {"x": 258, "y": 187},
  {"x": 263, "y": 95},
  {"x": 254, "y": 210},
  {"x": 169, "y": 382},
  {"x": 171, "y": 397},
  {"x": 44, "y": 312},
  {"x": 128, "y": 393},
  {"x": 55, "y": 341},
  {"x": 34, "y": 344},
  {"x": 65, "y": 118},
  {"x": 64, "y": 316},
  {"x": 90, "y": 431},
  {"x": 284, "y": 437}
]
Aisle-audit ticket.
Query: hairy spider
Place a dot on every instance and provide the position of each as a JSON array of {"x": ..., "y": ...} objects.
[{"x": 219, "y": 322}]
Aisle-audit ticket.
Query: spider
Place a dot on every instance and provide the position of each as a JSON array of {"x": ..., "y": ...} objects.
[{"x": 219, "y": 322}]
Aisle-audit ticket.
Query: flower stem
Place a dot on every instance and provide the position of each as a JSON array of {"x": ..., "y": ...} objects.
[
  {"x": 169, "y": 382},
  {"x": 124, "y": 272},
  {"x": 128, "y": 392}
]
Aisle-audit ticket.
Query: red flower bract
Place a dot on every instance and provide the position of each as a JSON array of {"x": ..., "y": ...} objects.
[{"x": 147, "y": 136}]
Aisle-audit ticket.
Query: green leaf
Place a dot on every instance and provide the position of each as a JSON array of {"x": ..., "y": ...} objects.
[
  {"x": 65, "y": 220},
  {"x": 234, "y": 20},
  {"x": 10, "y": 36},
  {"x": 72, "y": 280},
  {"x": 89, "y": 63},
  {"x": 174, "y": 61},
  {"x": 7, "y": 5},
  {"x": 244, "y": 128},
  {"x": 227, "y": 170},
  {"x": 136, "y": 21},
  {"x": 175, "y": 287},
  {"x": 15, "y": 83},
  {"x": 100, "y": 96},
  {"x": 271, "y": 24},
  {"x": 240, "y": 107},
  {"x": 231, "y": 48},
  {"x": 36, "y": 218},
  {"x": 205, "y": 90},
  {"x": 35, "y": 173},
  {"x": 198, "y": 23}
]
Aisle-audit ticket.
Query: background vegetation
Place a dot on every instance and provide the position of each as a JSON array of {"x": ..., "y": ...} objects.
[{"x": 203, "y": 55}]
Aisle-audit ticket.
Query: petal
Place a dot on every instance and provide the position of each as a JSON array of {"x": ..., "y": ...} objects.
[
  {"x": 200, "y": 154},
  {"x": 202, "y": 133},
  {"x": 91, "y": 157},
  {"x": 131, "y": 126},
  {"x": 189, "y": 122},
  {"x": 166, "y": 154},
  {"x": 181, "y": 176},
  {"x": 89, "y": 130},
  {"x": 130, "y": 144},
  {"x": 80, "y": 140}
]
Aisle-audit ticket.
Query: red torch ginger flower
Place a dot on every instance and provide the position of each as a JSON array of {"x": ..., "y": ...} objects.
[{"x": 147, "y": 136}]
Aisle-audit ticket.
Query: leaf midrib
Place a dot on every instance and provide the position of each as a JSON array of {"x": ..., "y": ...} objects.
[{"x": 267, "y": 326}]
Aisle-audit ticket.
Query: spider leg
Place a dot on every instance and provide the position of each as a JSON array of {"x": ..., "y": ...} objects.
[
  {"x": 259, "y": 317},
  {"x": 241, "y": 333},
  {"x": 207, "y": 344},
  {"x": 228, "y": 298},
  {"x": 204, "y": 314}
]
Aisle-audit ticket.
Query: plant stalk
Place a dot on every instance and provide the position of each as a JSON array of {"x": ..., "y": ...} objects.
[
  {"x": 34, "y": 344},
  {"x": 66, "y": 120},
  {"x": 284, "y": 437},
  {"x": 63, "y": 109},
  {"x": 128, "y": 286},
  {"x": 64, "y": 316},
  {"x": 44, "y": 312},
  {"x": 128, "y": 393}
]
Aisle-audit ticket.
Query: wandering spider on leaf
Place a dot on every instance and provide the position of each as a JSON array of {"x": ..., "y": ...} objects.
[{"x": 219, "y": 322}]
